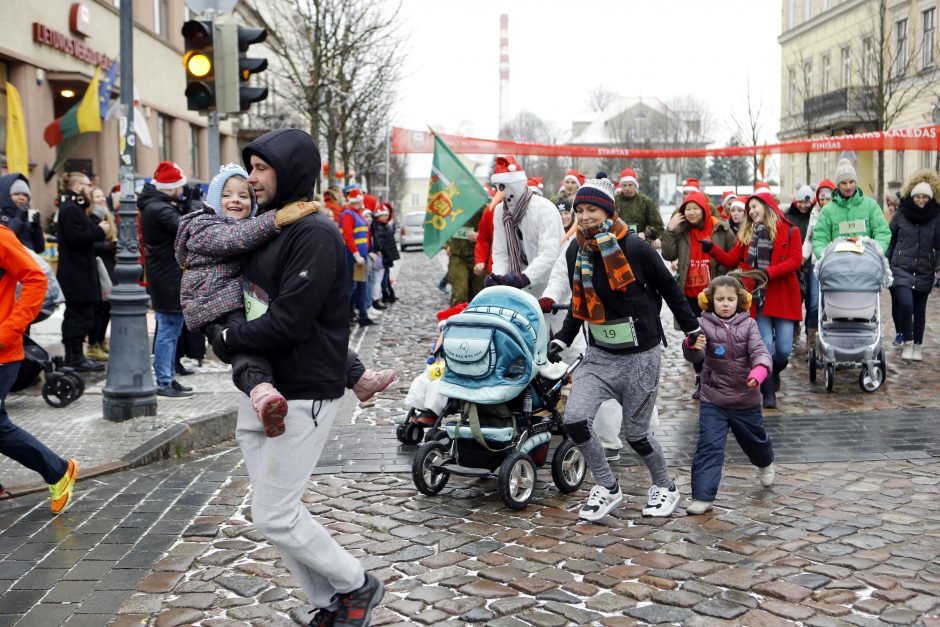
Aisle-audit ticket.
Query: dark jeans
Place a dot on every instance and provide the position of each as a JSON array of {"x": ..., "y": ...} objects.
[
  {"x": 77, "y": 323},
  {"x": 358, "y": 298},
  {"x": 248, "y": 369},
  {"x": 386, "y": 282},
  {"x": 747, "y": 425},
  {"x": 697, "y": 312},
  {"x": 20, "y": 445},
  {"x": 99, "y": 328},
  {"x": 909, "y": 312}
]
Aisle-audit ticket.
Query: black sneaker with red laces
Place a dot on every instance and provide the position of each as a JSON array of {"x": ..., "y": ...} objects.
[{"x": 353, "y": 609}]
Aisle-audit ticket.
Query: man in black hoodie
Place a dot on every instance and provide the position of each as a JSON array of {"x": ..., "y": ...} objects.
[{"x": 296, "y": 304}]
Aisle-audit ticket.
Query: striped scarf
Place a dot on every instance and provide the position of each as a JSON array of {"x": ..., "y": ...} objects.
[
  {"x": 511, "y": 221},
  {"x": 759, "y": 255},
  {"x": 585, "y": 303}
]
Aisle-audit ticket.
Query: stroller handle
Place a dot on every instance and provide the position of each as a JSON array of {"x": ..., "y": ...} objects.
[{"x": 556, "y": 307}]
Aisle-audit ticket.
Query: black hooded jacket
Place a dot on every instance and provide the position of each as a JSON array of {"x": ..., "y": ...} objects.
[
  {"x": 915, "y": 244},
  {"x": 159, "y": 222},
  {"x": 17, "y": 218},
  {"x": 299, "y": 277}
]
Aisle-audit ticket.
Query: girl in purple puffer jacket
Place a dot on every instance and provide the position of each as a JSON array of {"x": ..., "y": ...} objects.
[{"x": 736, "y": 363}]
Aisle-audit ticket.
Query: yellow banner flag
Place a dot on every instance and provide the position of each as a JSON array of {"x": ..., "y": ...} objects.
[{"x": 17, "y": 158}]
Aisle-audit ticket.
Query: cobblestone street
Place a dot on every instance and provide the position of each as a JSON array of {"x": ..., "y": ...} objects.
[{"x": 849, "y": 533}]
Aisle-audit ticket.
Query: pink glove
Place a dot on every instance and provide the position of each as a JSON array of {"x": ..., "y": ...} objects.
[{"x": 757, "y": 374}]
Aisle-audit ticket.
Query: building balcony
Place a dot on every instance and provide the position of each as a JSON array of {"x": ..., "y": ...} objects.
[{"x": 845, "y": 108}]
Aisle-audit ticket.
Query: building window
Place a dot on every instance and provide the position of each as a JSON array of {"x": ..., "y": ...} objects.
[
  {"x": 791, "y": 95},
  {"x": 807, "y": 10},
  {"x": 826, "y": 5},
  {"x": 926, "y": 159},
  {"x": 868, "y": 60},
  {"x": 195, "y": 149},
  {"x": 845, "y": 67},
  {"x": 826, "y": 75},
  {"x": 899, "y": 165},
  {"x": 900, "y": 48},
  {"x": 807, "y": 79},
  {"x": 825, "y": 165},
  {"x": 164, "y": 138},
  {"x": 160, "y": 18},
  {"x": 791, "y": 13},
  {"x": 416, "y": 200},
  {"x": 929, "y": 20}
]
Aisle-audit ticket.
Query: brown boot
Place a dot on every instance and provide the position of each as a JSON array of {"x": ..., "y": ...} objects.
[{"x": 810, "y": 338}]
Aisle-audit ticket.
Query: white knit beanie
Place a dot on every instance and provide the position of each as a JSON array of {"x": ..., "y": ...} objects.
[
  {"x": 922, "y": 188},
  {"x": 805, "y": 194},
  {"x": 845, "y": 172}
]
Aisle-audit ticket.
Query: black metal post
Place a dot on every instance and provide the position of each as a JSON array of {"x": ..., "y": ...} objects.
[{"x": 130, "y": 390}]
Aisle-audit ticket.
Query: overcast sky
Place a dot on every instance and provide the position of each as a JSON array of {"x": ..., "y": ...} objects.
[{"x": 559, "y": 50}]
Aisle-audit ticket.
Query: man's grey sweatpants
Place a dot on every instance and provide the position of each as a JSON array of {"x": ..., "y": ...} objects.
[
  {"x": 279, "y": 469},
  {"x": 631, "y": 379}
]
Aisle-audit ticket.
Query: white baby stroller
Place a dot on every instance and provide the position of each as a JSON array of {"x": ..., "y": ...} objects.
[{"x": 851, "y": 275}]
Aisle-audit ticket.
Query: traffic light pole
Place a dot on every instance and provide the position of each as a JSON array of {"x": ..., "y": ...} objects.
[
  {"x": 215, "y": 151},
  {"x": 130, "y": 390}
]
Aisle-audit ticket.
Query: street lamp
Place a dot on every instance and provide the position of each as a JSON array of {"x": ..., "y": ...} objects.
[{"x": 130, "y": 390}]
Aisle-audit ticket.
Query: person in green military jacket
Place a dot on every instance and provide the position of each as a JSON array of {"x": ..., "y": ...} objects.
[
  {"x": 464, "y": 284},
  {"x": 638, "y": 210},
  {"x": 850, "y": 214}
]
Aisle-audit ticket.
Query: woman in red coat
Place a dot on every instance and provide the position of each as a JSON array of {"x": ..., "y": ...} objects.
[{"x": 769, "y": 244}]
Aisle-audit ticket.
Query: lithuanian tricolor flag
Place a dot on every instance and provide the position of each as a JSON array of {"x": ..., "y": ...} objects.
[{"x": 84, "y": 117}]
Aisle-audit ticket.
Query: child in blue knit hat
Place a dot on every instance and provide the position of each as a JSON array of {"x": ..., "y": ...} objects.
[{"x": 209, "y": 246}]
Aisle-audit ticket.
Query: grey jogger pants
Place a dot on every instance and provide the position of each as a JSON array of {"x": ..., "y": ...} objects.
[{"x": 279, "y": 469}]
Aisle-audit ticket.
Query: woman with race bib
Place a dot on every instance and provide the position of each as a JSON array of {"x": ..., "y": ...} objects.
[
  {"x": 617, "y": 281},
  {"x": 689, "y": 226}
]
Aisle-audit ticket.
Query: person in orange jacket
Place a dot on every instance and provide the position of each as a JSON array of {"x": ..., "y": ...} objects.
[{"x": 16, "y": 266}]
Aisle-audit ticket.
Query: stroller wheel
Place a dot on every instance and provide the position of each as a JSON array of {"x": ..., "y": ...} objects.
[
  {"x": 830, "y": 377},
  {"x": 871, "y": 380},
  {"x": 568, "y": 467},
  {"x": 408, "y": 433},
  {"x": 516, "y": 480},
  {"x": 813, "y": 365},
  {"x": 428, "y": 480},
  {"x": 59, "y": 391},
  {"x": 79, "y": 384}
]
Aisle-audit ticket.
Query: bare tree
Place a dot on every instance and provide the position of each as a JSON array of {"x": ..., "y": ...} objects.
[
  {"x": 750, "y": 128},
  {"x": 805, "y": 121},
  {"x": 599, "y": 97}
]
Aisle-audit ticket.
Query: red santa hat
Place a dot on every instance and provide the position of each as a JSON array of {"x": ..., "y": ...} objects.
[
  {"x": 507, "y": 171},
  {"x": 168, "y": 176},
  {"x": 370, "y": 201},
  {"x": 628, "y": 175},
  {"x": 691, "y": 185},
  {"x": 575, "y": 175},
  {"x": 442, "y": 316},
  {"x": 355, "y": 196},
  {"x": 760, "y": 186},
  {"x": 727, "y": 197},
  {"x": 737, "y": 202},
  {"x": 535, "y": 185}
]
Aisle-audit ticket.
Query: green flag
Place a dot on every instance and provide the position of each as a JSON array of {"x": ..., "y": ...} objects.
[{"x": 454, "y": 197}]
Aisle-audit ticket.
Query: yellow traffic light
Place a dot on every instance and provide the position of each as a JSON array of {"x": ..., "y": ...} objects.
[{"x": 197, "y": 64}]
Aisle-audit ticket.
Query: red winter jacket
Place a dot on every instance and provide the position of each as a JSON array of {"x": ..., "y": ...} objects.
[
  {"x": 483, "y": 251},
  {"x": 783, "y": 289}
]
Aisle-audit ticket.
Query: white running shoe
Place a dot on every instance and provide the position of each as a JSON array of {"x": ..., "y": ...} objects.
[
  {"x": 697, "y": 508},
  {"x": 766, "y": 475},
  {"x": 601, "y": 502},
  {"x": 661, "y": 502}
]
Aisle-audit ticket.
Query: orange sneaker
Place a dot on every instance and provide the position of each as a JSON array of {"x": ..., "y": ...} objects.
[{"x": 61, "y": 491}]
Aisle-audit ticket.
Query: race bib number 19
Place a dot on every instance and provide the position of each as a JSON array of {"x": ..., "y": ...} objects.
[{"x": 852, "y": 227}]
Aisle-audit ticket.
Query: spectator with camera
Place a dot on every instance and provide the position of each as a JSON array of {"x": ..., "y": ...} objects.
[
  {"x": 160, "y": 213},
  {"x": 16, "y": 215}
]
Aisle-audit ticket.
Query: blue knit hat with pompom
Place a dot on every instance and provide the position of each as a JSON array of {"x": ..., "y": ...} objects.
[{"x": 214, "y": 195}]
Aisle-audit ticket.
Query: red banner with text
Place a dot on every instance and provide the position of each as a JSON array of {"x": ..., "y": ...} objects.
[{"x": 406, "y": 141}]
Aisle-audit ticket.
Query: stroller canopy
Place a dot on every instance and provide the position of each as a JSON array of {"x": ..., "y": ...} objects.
[{"x": 848, "y": 266}]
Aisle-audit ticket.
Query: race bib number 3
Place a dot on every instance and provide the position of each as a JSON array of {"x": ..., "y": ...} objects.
[
  {"x": 852, "y": 227},
  {"x": 616, "y": 334}
]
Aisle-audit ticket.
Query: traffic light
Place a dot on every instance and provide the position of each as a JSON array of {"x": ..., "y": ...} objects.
[
  {"x": 199, "y": 62},
  {"x": 247, "y": 66},
  {"x": 235, "y": 68}
]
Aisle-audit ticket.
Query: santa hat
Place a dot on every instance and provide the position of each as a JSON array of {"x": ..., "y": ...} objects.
[
  {"x": 168, "y": 176},
  {"x": 727, "y": 197},
  {"x": 507, "y": 171},
  {"x": 628, "y": 175},
  {"x": 535, "y": 185},
  {"x": 737, "y": 202},
  {"x": 370, "y": 201},
  {"x": 442, "y": 316},
  {"x": 760, "y": 186},
  {"x": 355, "y": 196},
  {"x": 691, "y": 185},
  {"x": 382, "y": 211},
  {"x": 574, "y": 175}
]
